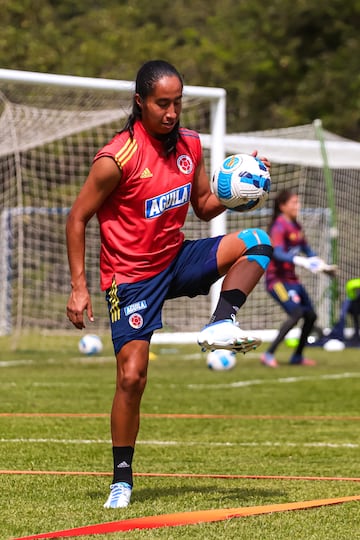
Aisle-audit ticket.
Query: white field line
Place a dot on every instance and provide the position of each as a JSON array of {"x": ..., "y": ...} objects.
[
  {"x": 280, "y": 380},
  {"x": 188, "y": 443},
  {"x": 212, "y": 386},
  {"x": 11, "y": 363},
  {"x": 79, "y": 360}
]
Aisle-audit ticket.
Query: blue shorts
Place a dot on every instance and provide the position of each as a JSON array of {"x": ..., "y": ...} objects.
[
  {"x": 290, "y": 296},
  {"x": 135, "y": 308}
]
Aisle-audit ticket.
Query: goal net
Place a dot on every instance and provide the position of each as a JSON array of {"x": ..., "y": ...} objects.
[
  {"x": 50, "y": 129},
  {"x": 324, "y": 169}
]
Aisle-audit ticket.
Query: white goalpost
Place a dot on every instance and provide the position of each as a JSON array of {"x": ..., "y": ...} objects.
[{"x": 51, "y": 126}]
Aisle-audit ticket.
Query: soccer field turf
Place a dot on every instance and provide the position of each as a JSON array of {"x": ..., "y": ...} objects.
[{"x": 252, "y": 436}]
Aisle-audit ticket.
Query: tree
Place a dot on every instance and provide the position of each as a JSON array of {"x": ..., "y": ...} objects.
[{"x": 282, "y": 63}]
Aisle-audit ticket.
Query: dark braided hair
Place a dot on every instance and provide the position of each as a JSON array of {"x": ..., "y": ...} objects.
[
  {"x": 281, "y": 198},
  {"x": 147, "y": 77}
]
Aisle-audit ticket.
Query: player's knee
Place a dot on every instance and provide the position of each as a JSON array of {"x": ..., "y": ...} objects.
[
  {"x": 132, "y": 383},
  {"x": 258, "y": 246}
]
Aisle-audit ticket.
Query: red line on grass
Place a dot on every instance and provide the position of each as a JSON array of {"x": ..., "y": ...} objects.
[
  {"x": 248, "y": 476},
  {"x": 248, "y": 416},
  {"x": 55, "y": 415},
  {"x": 188, "y": 475},
  {"x": 186, "y": 416},
  {"x": 188, "y": 518}
]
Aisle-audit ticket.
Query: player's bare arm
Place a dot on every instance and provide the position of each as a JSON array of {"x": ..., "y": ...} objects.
[
  {"x": 102, "y": 180},
  {"x": 206, "y": 206}
]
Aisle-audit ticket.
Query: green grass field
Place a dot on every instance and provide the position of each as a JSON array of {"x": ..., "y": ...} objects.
[{"x": 290, "y": 422}]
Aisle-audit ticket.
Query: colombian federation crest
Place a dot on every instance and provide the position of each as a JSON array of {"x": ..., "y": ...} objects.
[
  {"x": 136, "y": 321},
  {"x": 185, "y": 164}
]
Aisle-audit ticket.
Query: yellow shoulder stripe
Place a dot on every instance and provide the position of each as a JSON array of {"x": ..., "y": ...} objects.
[{"x": 126, "y": 152}]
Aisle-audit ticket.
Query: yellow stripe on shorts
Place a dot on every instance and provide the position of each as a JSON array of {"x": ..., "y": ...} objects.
[
  {"x": 114, "y": 303},
  {"x": 281, "y": 291}
]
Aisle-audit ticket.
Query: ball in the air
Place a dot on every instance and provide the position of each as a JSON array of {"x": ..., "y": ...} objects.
[
  {"x": 221, "y": 360},
  {"x": 90, "y": 344},
  {"x": 241, "y": 183}
]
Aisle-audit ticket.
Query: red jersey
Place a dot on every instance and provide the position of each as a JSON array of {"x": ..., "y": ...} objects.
[
  {"x": 141, "y": 221},
  {"x": 287, "y": 235}
]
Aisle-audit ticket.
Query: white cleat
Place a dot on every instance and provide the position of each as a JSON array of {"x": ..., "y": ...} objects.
[
  {"x": 226, "y": 334},
  {"x": 119, "y": 497}
]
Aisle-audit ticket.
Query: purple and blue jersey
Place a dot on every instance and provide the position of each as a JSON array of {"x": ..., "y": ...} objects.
[{"x": 288, "y": 240}]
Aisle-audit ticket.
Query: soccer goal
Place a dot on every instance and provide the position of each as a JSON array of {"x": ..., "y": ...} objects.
[
  {"x": 324, "y": 169},
  {"x": 51, "y": 126}
]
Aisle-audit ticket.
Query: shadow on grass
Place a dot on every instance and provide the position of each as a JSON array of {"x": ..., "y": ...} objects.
[{"x": 211, "y": 493}]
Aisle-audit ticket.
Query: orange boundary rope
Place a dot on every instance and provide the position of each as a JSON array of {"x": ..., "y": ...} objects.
[
  {"x": 188, "y": 518},
  {"x": 189, "y": 475},
  {"x": 185, "y": 416}
]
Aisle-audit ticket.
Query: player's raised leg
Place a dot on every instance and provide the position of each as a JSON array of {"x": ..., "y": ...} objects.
[{"x": 243, "y": 258}]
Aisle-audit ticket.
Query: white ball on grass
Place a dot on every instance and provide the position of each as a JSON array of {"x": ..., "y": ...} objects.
[
  {"x": 334, "y": 345},
  {"x": 221, "y": 360},
  {"x": 90, "y": 344}
]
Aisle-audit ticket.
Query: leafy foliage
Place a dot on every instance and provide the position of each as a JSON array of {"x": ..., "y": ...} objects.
[{"x": 282, "y": 63}]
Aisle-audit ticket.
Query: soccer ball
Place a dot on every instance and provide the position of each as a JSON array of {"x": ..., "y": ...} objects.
[
  {"x": 241, "y": 183},
  {"x": 90, "y": 344},
  {"x": 334, "y": 345},
  {"x": 292, "y": 342},
  {"x": 221, "y": 360}
]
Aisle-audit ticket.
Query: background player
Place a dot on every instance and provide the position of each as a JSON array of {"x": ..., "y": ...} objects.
[{"x": 282, "y": 283}]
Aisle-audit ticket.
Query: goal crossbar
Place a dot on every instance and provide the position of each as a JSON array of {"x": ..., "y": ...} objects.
[{"x": 73, "y": 81}]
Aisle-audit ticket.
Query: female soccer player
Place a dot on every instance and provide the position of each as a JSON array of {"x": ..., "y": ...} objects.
[
  {"x": 140, "y": 186},
  {"x": 282, "y": 283}
]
